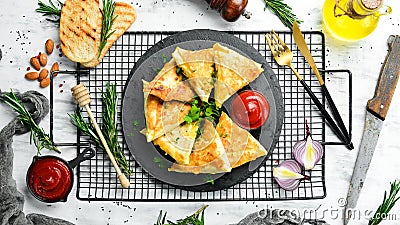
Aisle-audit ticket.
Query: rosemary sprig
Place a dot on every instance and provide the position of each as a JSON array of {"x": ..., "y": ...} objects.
[
  {"x": 196, "y": 218},
  {"x": 109, "y": 126},
  {"x": 282, "y": 11},
  {"x": 50, "y": 10},
  {"x": 38, "y": 135},
  {"x": 387, "y": 204},
  {"x": 108, "y": 19},
  {"x": 109, "y": 98}
]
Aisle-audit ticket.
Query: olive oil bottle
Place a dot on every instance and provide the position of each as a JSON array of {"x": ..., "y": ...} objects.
[{"x": 352, "y": 20}]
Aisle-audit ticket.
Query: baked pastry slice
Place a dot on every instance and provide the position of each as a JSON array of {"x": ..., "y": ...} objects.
[
  {"x": 240, "y": 146},
  {"x": 168, "y": 85},
  {"x": 234, "y": 71},
  {"x": 162, "y": 117},
  {"x": 208, "y": 154},
  {"x": 178, "y": 143},
  {"x": 198, "y": 67}
]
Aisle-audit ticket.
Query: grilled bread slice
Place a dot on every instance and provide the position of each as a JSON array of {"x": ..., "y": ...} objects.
[
  {"x": 80, "y": 29},
  {"x": 126, "y": 15}
]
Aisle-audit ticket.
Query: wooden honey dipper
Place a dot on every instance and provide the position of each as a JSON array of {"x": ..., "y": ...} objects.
[{"x": 82, "y": 97}]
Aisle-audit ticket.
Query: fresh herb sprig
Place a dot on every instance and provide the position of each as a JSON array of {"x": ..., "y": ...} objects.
[
  {"x": 50, "y": 10},
  {"x": 282, "y": 11},
  {"x": 196, "y": 218},
  {"x": 109, "y": 126},
  {"x": 387, "y": 204},
  {"x": 109, "y": 98},
  {"x": 39, "y": 137},
  {"x": 108, "y": 19}
]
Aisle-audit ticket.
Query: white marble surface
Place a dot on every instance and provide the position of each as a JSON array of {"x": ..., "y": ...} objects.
[{"x": 20, "y": 24}]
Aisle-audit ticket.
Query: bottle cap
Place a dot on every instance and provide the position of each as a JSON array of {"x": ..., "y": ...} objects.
[{"x": 371, "y": 4}]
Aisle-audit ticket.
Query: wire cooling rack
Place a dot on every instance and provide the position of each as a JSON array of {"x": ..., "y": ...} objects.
[{"x": 97, "y": 179}]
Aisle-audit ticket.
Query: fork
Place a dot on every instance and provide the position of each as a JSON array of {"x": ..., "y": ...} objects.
[{"x": 283, "y": 56}]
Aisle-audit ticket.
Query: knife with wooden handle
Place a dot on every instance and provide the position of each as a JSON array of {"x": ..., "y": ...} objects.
[
  {"x": 377, "y": 109},
  {"x": 302, "y": 46}
]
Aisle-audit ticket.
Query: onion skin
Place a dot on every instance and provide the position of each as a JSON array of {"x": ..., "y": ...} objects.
[
  {"x": 288, "y": 175},
  {"x": 308, "y": 152}
]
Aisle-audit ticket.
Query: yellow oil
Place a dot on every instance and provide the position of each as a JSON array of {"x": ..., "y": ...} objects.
[{"x": 344, "y": 27}]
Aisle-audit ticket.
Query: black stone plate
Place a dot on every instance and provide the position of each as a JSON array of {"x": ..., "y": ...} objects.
[{"x": 150, "y": 157}]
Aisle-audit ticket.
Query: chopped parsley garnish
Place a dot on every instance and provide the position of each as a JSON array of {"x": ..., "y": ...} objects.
[
  {"x": 194, "y": 112},
  {"x": 223, "y": 135},
  {"x": 203, "y": 110},
  {"x": 211, "y": 111},
  {"x": 164, "y": 58},
  {"x": 200, "y": 131},
  {"x": 179, "y": 71},
  {"x": 209, "y": 179},
  {"x": 214, "y": 73},
  {"x": 158, "y": 161},
  {"x": 156, "y": 70}
]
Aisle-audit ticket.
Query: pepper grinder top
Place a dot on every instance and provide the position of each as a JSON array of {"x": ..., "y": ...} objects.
[{"x": 230, "y": 10}]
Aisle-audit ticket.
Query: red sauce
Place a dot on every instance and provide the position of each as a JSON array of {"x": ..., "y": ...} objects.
[
  {"x": 250, "y": 109},
  {"x": 50, "y": 179}
]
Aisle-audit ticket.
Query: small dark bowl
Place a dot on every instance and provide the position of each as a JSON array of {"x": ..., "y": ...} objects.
[{"x": 49, "y": 165}]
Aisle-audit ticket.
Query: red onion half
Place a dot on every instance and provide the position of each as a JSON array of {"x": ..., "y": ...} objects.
[
  {"x": 288, "y": 175},
  {"x": 308, "y": 152}
]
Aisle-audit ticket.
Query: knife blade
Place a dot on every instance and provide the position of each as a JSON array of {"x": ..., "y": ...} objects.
[
  {"x": 377, "y": 108},
  {"x": 303, "y": 47}
]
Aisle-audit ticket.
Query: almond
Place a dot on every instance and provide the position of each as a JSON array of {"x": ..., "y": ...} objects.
[
  {"x": 32, "y": 75},
  {"x": 45, "y": 82},
  {"x": 43, "y": 59},
  {"x": 43, "y": 74},
  {"x": 35, "y": 63},
  {"x": 54, "y": 67},
  {"x": 49, "y": 46}
]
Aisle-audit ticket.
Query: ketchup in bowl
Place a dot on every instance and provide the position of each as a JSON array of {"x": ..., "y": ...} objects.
[
  {"x": 250, "y": 109},
  {"x": 49, "y": 179}
]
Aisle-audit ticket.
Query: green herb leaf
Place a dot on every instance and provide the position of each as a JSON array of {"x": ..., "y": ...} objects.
[
  {"x": 199, "y": 132},
  {"x": 179, "y": 71},
  {"x": 208, "y": 178},
  {"x": 158, "y": 161},
  {"x": 194, "y": 113},
  {"x": 282, "y": 11},
  {"x": 215, "y": 72},
  {"x": 39, "y": 137},
  {"x": 164, "y": 58},
  {"x": 211, "y": 111}
]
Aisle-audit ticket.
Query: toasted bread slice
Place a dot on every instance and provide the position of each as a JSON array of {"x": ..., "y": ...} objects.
[
  {"x": 126, "y": 15},
  {"x": 80, "y": 29}
]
